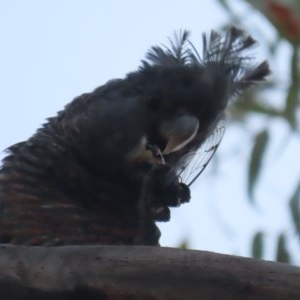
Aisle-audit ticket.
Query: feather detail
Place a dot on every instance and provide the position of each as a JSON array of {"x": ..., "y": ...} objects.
[{"x": 226, "y": 50}]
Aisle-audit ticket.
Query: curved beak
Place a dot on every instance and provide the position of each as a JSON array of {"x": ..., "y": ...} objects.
[{"x": 179, "y": 132}]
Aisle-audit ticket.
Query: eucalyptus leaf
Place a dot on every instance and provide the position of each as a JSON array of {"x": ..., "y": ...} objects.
[
  {"x": 261, "y": 142},
  {"x": 292, "y": 98},
  {"x": 294, "y": 205},
  {"x": 184, "y": 245},
  {"x": 257, "y": 245},
  {"x": 282, "y": 252}
]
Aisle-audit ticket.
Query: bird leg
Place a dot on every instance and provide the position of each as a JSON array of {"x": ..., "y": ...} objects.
[{"x": 160, "y": 190}]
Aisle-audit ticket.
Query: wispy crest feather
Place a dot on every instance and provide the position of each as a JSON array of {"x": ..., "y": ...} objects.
[
  {"x": 177, "y": 54},
  {"x": 227, "y": 50}
]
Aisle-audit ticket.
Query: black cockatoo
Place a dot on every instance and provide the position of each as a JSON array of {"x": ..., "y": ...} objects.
[{"x": 108, "y": 166}]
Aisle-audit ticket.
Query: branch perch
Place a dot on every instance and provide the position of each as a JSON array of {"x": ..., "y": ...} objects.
[{"x": 135, "y": 272}]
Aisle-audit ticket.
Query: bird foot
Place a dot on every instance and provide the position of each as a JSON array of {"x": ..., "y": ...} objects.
[{"x": 161, "y": 190}]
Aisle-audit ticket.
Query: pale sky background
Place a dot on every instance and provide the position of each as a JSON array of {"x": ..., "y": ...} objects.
[{"x": 52, "y": 51}]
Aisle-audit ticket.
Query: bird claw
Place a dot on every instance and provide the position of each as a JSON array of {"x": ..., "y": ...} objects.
[
  {"x": 156, "y": 152},
  {"x": 161, "y": 190}
]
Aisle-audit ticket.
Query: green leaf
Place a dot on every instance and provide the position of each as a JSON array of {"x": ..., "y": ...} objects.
[
  {"x": 184, "y": 245},
  {"x": 257, "y": 245},
  {"x": 256, "y": 158},
  {"x": 247, "y": 105},
  {"x": 294, "y": 205},
  {"x": 292, "y": 99},
  {"x": 282, "y": 252}
]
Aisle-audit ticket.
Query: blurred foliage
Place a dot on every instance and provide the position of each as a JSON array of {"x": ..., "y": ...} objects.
[
  {"x": 260, "y": 144},
  {"x": 184, "y": 245},
  {"x": 284, "y": 17},
  {"x": 257, "y": 246},
  {"x": 282, "y": 252},
  {"x": 294, "y": 204}
]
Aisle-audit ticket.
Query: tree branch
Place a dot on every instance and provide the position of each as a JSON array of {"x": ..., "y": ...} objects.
[{"x": 127, "y": 272}]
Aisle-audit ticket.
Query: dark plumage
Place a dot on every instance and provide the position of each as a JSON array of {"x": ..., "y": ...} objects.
[{"x": 95, "y": 172}]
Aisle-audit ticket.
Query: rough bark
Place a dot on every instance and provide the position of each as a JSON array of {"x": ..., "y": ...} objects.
[{"x": 126, "y": 272}]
